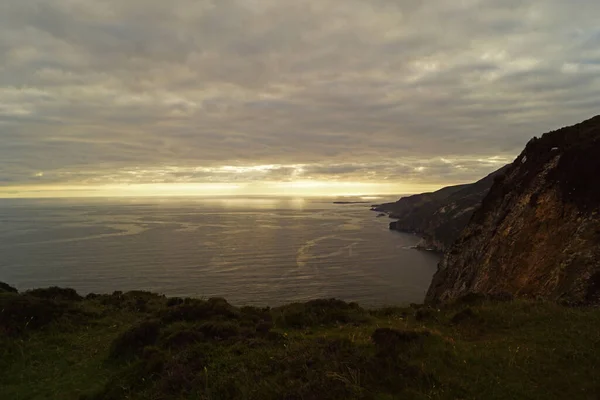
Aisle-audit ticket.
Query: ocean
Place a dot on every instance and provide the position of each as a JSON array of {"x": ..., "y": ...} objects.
[{"x": 252, "y": 251}]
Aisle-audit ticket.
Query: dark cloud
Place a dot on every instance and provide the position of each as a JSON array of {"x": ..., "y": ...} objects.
[{"x": 150, "y": 91}]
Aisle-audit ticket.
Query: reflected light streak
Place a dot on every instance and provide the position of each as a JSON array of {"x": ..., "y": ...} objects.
[{"x": 292, "y": 188}]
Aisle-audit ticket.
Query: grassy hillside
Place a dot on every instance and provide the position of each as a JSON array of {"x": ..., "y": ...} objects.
[{"x": 56, "y": 345}]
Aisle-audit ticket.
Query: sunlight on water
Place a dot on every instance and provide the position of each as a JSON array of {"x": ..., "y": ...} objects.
[{"x": 249, "y": 250}]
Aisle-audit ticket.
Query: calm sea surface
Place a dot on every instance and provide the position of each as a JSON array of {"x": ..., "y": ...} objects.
[{"x": 262, "y": 251}]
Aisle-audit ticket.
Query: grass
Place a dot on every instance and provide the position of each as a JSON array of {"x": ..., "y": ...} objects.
[{"x": 139, "y": 345}]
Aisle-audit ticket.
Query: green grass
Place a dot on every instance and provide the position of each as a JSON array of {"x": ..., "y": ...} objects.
[{"x": 143, "y": 346}]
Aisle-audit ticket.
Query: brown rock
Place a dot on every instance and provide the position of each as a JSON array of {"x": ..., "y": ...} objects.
[{"x": 537, "y": 233}]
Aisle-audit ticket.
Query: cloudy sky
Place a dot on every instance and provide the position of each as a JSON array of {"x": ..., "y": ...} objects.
[{"x": 253, "y": 96}]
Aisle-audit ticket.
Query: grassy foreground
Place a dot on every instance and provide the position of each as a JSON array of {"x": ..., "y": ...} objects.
[{"x": 138, "y": 345}]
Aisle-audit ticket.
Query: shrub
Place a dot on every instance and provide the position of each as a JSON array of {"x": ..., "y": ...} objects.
[
  {"x": 5, "y": 287},
  {"x": 143, "y": 294},
  {"x": 142, "y": 301},
  {"x": 19, "y": 312},
  {"x": 184, "y": 372},
  {"x": 321, "y": 312},
  {"x": 174, "y": 301},
  {"x": 55, "y": 293},
  {"x": 263, "y": 327},
  {"x": 132, "y": 341},
  {"x": 253, "y": 315},
  {"x": 471, "y": 298},
  {"x": 219, "y": 329},
  {"x": 463, "y": 316},
  {"x": 275, "y": 337},
  {"x": 424, "y": 314},
  {"x": 184, "y": 337},
  {"x": 198, "y": 310},
  {"x": 390, "y": 312},
  {"x": 390, "y": 341},
  {"x": 115, "y": 299},
  {"x": 133, "y": 377},
  {"x": 152, "y": 362}
]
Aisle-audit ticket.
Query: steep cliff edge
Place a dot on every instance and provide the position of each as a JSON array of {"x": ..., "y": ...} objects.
[
  {"x": 537, "y": 232},
  {"x": 439, "y": 216}
]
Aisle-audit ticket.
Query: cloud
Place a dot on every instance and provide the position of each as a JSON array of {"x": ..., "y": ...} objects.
[{"x": 146, "y": 91}]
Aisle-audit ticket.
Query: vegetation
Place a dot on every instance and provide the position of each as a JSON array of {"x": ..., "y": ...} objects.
[{"x": 138, "y": 345}]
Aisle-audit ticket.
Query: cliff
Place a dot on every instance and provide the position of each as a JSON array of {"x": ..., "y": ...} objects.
[
  {"x": 537, "y": 233},
  {"x": 439, "y": 216}
]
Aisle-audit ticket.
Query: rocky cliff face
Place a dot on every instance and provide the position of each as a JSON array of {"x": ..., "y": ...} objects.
[
  {"x": 440, "y": 216},
  {"x": 537, "y": 232}
]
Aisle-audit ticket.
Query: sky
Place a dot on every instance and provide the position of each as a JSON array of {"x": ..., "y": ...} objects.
[{"x": 340, "y": 97}]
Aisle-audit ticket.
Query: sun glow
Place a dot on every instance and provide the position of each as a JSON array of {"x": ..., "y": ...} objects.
[{"x": 272, "y": 188}]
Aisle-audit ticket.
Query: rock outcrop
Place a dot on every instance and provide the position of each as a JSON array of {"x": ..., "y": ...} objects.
[
  {"x": 440, "y": 216},
  {"x": 537, "y": 232}
]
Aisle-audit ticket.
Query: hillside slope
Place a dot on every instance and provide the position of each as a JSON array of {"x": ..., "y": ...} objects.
[
  {"x": 537, "y": 232},
  {"x": 439, "y": 216},
  {"x": 139, "y": 345}
]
